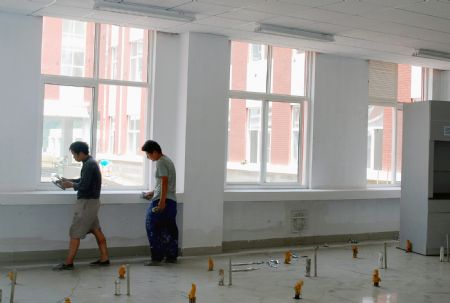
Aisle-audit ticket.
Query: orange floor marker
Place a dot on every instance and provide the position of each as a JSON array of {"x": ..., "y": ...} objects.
[
  {"x": 298, "y": 289},
  {"x": 408, "y": 246},
  {"x": 287, "y": 257},
  {"x": 191, "y": 296},
  {"x": 210, "y": 264},
  {"x": 355, "y": 251},
  {"x": 122, "y": 271},
  {"x": 376, "y": 278}
]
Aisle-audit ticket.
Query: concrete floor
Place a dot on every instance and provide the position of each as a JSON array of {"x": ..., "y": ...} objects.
[{"x": 409, "y": 278}]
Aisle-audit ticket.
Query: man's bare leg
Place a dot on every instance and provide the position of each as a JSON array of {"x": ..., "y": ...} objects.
[
  {"x": 101, "y": 242},
  {"x": 73, "y": 248}
]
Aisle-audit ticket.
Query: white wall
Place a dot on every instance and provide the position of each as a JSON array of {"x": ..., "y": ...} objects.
[
  {"x": 339, "y": 140},
  {"x": 189, "y": 120},
  {"x": 247, "y": 221},
  {"x": 20, "y": 62}
]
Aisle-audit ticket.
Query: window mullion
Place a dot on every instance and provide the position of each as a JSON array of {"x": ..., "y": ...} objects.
[
  {"x": 300, "y": 146},
  {"x": 394, "y": 146},
  {"x": 95, "y": 93},
  {"x": 265, "y": 117}
]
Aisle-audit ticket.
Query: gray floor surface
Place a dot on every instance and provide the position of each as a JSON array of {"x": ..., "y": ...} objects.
[{"x": 340, "y": 278}]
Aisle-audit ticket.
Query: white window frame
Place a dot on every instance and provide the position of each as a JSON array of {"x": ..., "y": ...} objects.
[
  {"x": 397, "y": 107},
  {"x": 265, "y": 98},
  {"x": 71, "y": 50},
  {"x": 94, "y": 83}
]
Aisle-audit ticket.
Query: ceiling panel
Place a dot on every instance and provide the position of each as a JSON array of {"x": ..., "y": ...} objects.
[
  {"x": 411, "y": 18},
  {"x": 284, "y": 9},
  {"x": 353, "y": 7},
  {"x": 221, "y": 22},
  {"x": 79, "y": 3},
  {"x": 233, "y": 3},
  {"x": 432, "y": 8},
  {"x": 312, "y": 3},
  {"x": 248, "y": 15},
  {"x": 204, "y": 8},
  {"x": 394, "y": 3},
  {"x": 161, "y": 3},
  {"x": 64, "y": 11},
  {"x": 25, "y": 7}
]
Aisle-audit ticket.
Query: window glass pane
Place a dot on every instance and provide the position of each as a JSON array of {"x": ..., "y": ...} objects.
[
  {"x": 288, "y": 71},
  {"x": 248, "y": 71},
  {"x": 405, "y": 84},
  {"x": 123, "y": 53},
  {"x": 379, "y": 145},
  {"x": 67, "y": 47},
  {"x": 67, "y": 118},
  {"x": 244, "y": 141},
  {"x": 120, "y": 134},
  {"x": 416, "y": 82},
  {"x": 283, "y": 142}
]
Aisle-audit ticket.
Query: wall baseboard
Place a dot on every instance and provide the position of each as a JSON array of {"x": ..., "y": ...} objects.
[
  {"x": 229, "y": 246},
  {"x": 311, "y": 240},
  {"x": 60, "y": 255},
  {"x": 201, "y": 251}
]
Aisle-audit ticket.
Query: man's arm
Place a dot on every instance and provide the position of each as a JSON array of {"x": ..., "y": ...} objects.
[
  {"x": 69, "y": 183},
  {"x": 81, "y": 183},
  {"x": 164, "y": 188}
]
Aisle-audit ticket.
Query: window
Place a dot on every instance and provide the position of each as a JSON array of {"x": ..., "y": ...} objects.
[
  {"x": 73, "y": 48},
  {"x": 106, "y": 109},
  {"x": 295, "y": 131},
  {"x": 137, "y": 50},
  {"x": 390, "y": 85},
  {"x": 267, "y": 116}
]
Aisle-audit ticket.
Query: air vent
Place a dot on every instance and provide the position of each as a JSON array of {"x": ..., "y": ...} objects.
[{"x": 299, "y": 221}]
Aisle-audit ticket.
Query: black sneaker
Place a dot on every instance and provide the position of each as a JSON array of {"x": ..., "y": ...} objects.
[
  {"x": 152, "y": 263},
  {"x": 63, "y": 266},
  {"x": 100, "y": 263}
]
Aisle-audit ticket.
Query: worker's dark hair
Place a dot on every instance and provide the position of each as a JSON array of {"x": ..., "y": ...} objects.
[
  {"x": 151, "y": 146},
  {"x": 79, "y": 147}
]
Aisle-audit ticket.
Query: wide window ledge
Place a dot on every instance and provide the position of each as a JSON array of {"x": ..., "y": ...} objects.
[
  {"x": 236, "y": 195},
  {"x": 69, "y": 196}
]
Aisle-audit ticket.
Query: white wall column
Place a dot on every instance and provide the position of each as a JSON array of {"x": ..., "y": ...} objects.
[
  {"x": 339, "y": 143},
  {"x": 21, "y": 103},
  {"x": 205, "y": 87}
]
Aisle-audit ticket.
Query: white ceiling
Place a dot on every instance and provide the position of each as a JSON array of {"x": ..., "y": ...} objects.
[{"x": 388, "y": 30}]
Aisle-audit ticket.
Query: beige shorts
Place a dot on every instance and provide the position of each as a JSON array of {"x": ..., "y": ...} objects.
[{"x": 85, "y": 218}]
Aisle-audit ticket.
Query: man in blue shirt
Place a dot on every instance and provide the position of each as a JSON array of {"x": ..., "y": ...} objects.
[{"x": 85, "y": 218}]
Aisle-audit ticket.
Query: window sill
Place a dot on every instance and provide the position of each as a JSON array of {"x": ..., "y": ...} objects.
[
  {"x": 242, "y": 195},
  {"x": 68, "y": 197}
]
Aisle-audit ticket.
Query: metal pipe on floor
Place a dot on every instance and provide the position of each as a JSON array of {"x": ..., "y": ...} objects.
[
  {"x": 13, "y": 286},
  {"x": 380, "y": 260},
  {"x": 128, "y": 280},
  {"x": 447, "y": 250},
  {"x": 315, "y": 260},
  {"x": 117, "y": 287},
  {"x": 230, "y": 271},
  {"x": 308, "y": 267}
]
